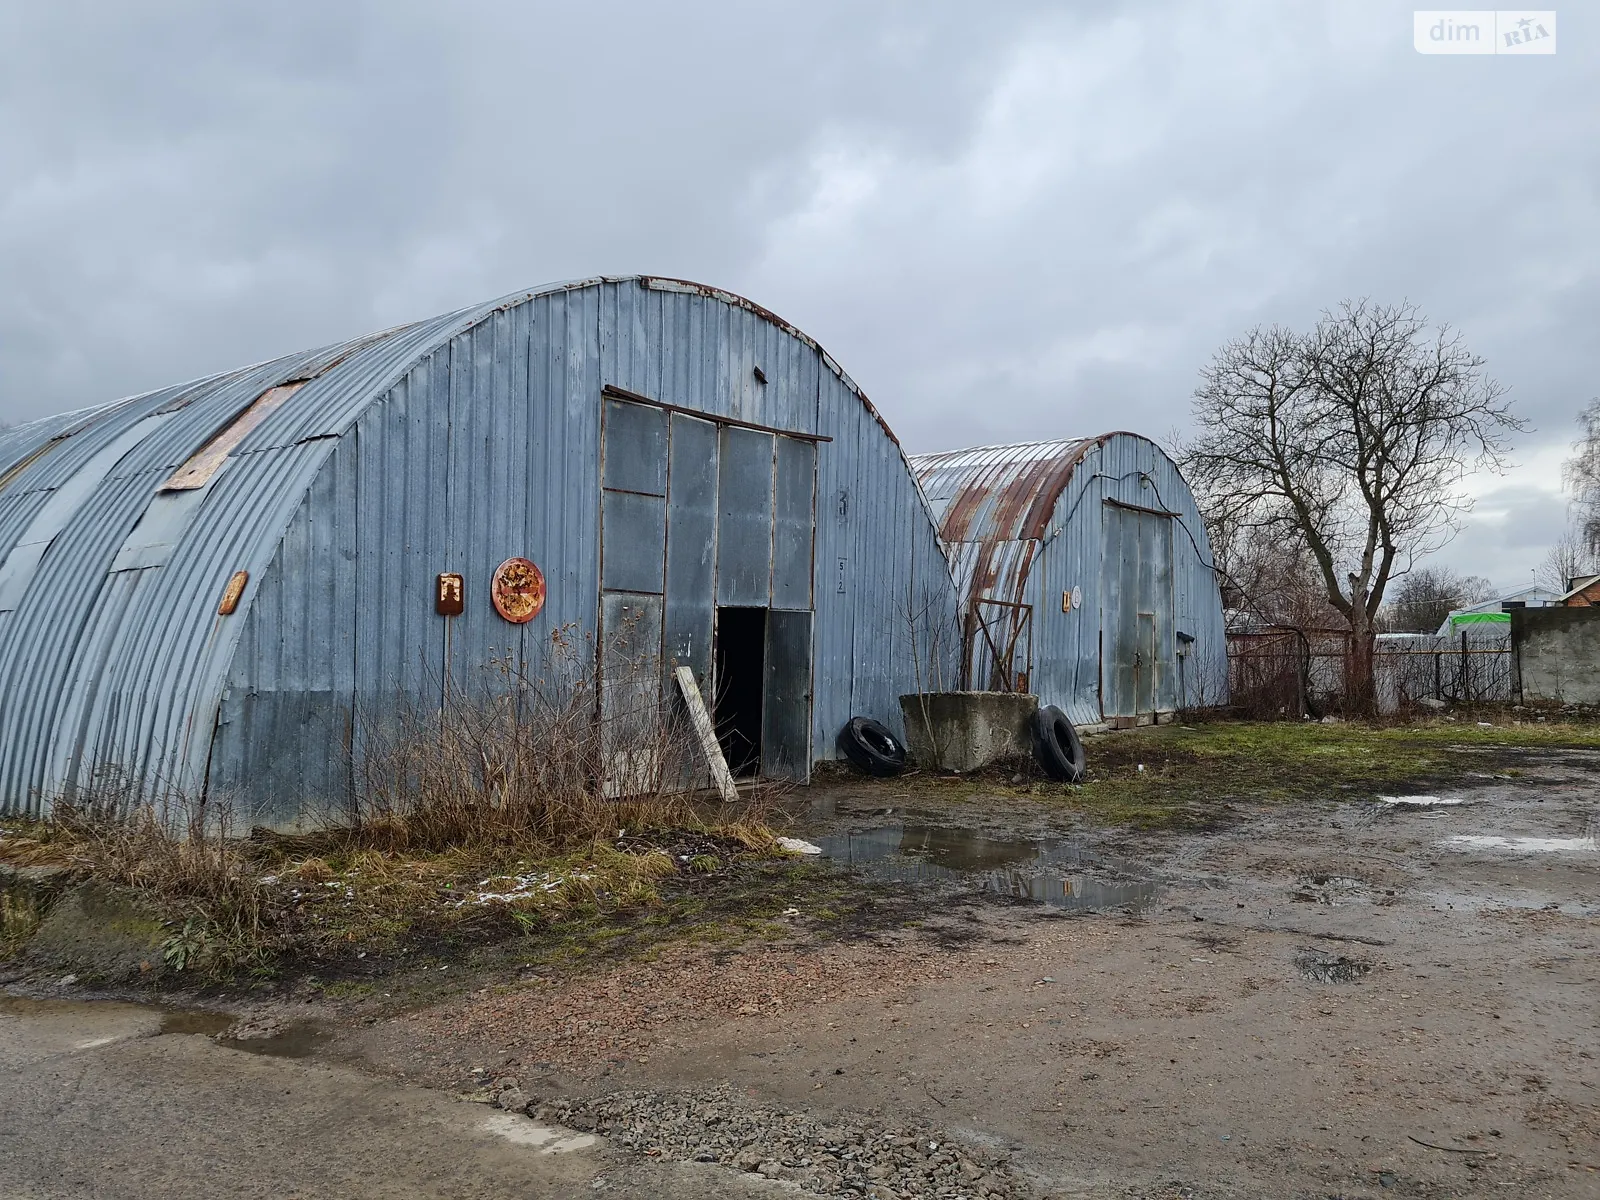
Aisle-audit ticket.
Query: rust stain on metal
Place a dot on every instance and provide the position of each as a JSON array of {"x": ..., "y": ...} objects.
[
  {"x": 997, "y": 502},
  {"x": 232, "y": 593},
  {"x": 958, "y": 517},
  {"x": 517, "y": 590}
]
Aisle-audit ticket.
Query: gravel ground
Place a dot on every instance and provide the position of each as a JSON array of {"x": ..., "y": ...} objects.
[
  {"x": 1324, "y": 1000},
  {"x": 627, "y": 1012},
  {"x": 843, "y": 1156}
]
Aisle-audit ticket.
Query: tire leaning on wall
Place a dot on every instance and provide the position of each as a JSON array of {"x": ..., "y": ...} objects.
[
  {"x": 1056, "y": 746},
  {"x": 870, "y": 747}
]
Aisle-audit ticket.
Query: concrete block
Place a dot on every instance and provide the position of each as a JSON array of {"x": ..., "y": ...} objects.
[
  {"x": 1556, "y": 655},
  {"x": 963, "y": 731}
]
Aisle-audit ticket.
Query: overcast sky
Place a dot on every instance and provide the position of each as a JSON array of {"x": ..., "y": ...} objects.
[{"x": 1007, "y": 221}]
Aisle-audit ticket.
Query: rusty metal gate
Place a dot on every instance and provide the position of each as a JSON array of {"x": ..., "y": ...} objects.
[{"x": 997, "y": 654}]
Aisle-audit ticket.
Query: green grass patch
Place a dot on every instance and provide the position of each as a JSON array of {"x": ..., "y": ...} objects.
[
  {"x": 1187, "y": 777},
  {"x": 19, "y": 918}
]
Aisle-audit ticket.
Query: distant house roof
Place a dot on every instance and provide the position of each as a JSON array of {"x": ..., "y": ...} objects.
[
  {"x": 1581, "y": 583},
  {"x": 1534, "y": 596}
]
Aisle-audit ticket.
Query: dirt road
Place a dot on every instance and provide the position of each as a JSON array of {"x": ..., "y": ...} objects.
[
  {"x": 1345, "y": 999},
  {"x": 1340, "y": 998}
]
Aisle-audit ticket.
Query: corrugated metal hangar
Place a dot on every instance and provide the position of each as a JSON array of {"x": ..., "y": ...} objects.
[
  {"x": 1085, "y": 576},
  {"x": 202, "y": 587},
  {"x": 207, "y": 588}
]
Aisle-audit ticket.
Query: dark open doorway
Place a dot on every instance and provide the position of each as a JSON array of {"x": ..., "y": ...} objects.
[{"x": 741, "y": 653}]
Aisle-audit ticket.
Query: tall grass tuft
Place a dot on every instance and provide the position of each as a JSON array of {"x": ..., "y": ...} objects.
[
  {"x": 551, "y": 755},
  {"x": 563, "y": 763}
]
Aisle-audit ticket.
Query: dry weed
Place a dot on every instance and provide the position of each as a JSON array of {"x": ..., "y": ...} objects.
[{"x": 545, "y": 789}]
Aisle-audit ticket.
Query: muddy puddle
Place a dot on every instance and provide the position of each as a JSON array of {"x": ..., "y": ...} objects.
[
  {"x": 1321, "y": 967},
  {"x": 1332, "y": 890},
  {"x": 1054, "y": 871},
  {"x": 104, "y": 1021},
  {"x": 293, "y": 1039}
]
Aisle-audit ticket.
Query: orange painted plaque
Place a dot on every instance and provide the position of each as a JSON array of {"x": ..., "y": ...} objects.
[
  {"x": 231, "y": 594},
  {"x": 517, "y": 590}
]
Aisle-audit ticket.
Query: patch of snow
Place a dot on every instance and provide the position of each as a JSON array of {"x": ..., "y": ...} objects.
[
  {"x": 542, "y": 1137},
  {"x": 1422, "y": 801},
  {"x": 1521, "y": 845},
  {"x": 796, "y": 846},
  {"x": 521, "y": 887}
]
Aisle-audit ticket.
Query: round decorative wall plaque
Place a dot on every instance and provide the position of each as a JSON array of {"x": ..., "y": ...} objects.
[{"x": 517, "y": 590}]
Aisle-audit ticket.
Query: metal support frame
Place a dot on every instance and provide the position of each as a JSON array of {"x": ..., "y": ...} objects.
[{"x": 1018, "y": 619}]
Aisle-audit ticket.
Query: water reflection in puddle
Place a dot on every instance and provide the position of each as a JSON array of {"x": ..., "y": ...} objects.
[
  {"x": 106, "y": 1021},
  {"x": 1054, "y": 871},
  {"x": 298, "y": 1039},
  {"x": 1321, "y": 967},
  {"x": 294, "y": 1039}
]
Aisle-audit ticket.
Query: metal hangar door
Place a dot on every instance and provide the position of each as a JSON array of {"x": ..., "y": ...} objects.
[
  {"x": 707, "y": 529},
  {"x": 1138, "y": 667}
]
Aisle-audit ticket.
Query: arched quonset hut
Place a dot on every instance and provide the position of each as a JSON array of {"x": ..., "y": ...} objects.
[
  {"x": 1085, "y": 576},
  {"x": 673, "y": 457}
]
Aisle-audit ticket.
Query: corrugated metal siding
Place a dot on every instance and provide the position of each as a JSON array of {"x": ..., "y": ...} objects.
[
  {"x": 1025, "y": 523},
  {"x": 103, "y": 670},
  {"x": 447, "y": 445}
]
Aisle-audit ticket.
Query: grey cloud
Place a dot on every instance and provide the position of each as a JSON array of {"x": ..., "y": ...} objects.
[{"x": 1007, "y": 221}]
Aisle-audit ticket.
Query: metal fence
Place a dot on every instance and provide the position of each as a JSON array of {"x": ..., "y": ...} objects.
[
  {"x": 1461, "y": 669},
  {"x": 1281, "y": 672}
]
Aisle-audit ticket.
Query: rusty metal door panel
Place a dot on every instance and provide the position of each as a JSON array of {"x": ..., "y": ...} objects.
[
  {"x": 633, "y": 531},
  {"x": 691, "y": 546},
  {"x": 786, "y": 704},
  {"x": 635, "y": 448},
  {"x": 1118, "y": 608},
  {"x": 1144, "y": 664},
  {"x": 744, "y": 518},
  {"x": 793, "y": 523},
  {"x": 630, "y": 690},
  {"x": 1136, "y": 611}
]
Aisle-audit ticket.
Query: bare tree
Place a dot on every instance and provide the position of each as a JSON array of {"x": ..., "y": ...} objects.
[
  {"x": 1425, "y": 597},
  {"x": 1568, "y": 558},
  {"x": 1354, "y": 438},
  {"x": 1271, "y": 578},
  {"x": 1581, "y": 474}
]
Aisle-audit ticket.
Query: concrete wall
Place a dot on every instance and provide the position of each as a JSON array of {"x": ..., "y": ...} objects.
[
  {"x": 963, "y": 731},
  {"x": 1556, "y": 655}
]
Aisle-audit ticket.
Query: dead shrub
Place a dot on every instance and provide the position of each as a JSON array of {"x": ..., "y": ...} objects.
[
  {"x": 550, "y": 756},
  {"x": 560, "y": 772},
  {"x": 178, "y": 847}
]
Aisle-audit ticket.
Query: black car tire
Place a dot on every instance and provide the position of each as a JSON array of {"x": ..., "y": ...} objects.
[
  {"x": 1057, "y": 747},
  {"x": 870, "y": 747}
]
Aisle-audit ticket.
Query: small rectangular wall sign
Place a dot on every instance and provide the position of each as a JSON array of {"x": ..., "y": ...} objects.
[{"x": 450, "y": 594}]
